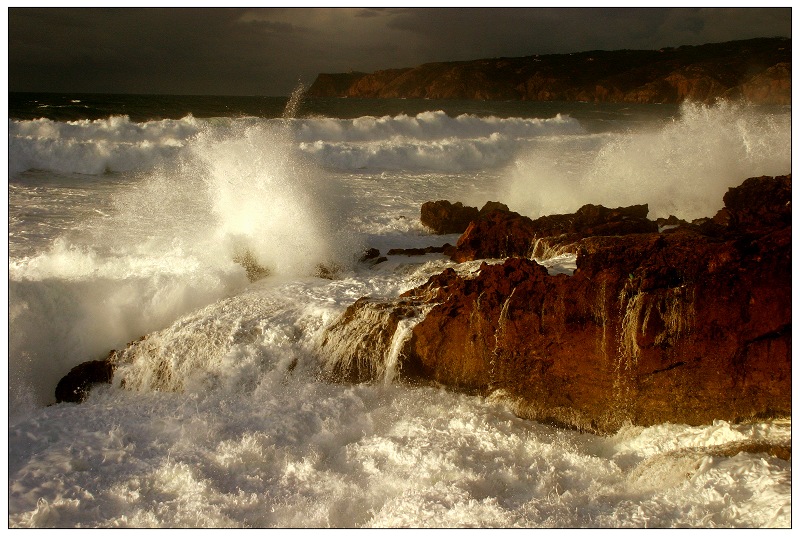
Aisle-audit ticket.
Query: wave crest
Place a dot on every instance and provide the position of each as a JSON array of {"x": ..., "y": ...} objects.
[{"x": 95, "y": 146}]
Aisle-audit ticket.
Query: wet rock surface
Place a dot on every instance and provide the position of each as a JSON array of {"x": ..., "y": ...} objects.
[
  {"x": 682, "y": 326},
  {"x": 689, "y": 325},
  {"x": 75, "y": 386}
]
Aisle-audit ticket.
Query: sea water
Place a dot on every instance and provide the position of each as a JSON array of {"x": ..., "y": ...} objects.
[{"x": 127, "y": 215}]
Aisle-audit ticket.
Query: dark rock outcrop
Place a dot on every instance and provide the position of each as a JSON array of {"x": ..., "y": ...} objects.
[
  {"x": 75, "y": 386},
  {"x": 446, "y": 249},
  {"x": 502, "y": 234},
  {"x": 652, "y": 327},
  {"x": 757, "y": 70},
  {"x": 444, "y": 217}
]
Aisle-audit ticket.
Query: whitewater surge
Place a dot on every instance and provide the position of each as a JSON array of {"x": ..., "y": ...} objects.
[
  {"x": 93, "y": 147},
  {"x": 119, "y": 230},
  {"x": 165, "y": 243},
  {"x": 428, "y": 141},
  {"x": 683, "y": 167}
]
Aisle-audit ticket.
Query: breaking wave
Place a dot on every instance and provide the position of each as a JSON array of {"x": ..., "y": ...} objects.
[{"x": 683, "y": 168}]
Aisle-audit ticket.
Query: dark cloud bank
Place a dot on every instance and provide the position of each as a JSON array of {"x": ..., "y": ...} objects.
[{"x": 242, "y": 51}]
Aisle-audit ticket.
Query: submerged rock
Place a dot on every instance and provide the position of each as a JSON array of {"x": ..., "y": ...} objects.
[
  {"x": 446, "y": 249},
  {"x": 673, "y": 327},
  {"x": 252, "y": 267}
]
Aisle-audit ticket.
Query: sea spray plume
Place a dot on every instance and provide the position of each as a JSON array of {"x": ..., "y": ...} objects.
[
  {"x": 167, "y": 247},
  {"x": 295, "y": 99},
  {"x": 269, "y": 203},
  {"x": 682, "y": 168}
]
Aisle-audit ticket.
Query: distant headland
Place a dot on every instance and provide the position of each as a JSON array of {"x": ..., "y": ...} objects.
[{"x": 756, "y": 70}]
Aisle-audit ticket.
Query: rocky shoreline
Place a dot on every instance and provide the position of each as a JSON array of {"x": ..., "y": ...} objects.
[
  {"x": 691, "y": 324},
  {"x": 755, "y": 70},
  {"x": 666, "y": 321}
]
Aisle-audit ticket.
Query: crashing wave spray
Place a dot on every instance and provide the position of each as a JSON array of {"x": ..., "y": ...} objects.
[
  {"x": 295, "y": 100},
  {"x": 168, "y": 247},
  {"x": 684, "y": 168}
]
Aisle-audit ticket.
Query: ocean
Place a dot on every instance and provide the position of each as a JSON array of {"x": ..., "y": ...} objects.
[{"x": 129, "y": 216}]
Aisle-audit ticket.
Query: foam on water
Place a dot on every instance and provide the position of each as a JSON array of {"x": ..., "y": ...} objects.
[
  {"x": 224, "y": 421},
  {"x": 168, "y": 245},
  {"x": 682, "y": 168},
  {"x": 93, "y": 147},
  {"x": 427, "y": 141},
  {"x": 290, "y": 452}
]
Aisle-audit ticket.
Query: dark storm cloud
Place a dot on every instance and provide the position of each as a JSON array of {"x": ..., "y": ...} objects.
[{"x": 266, "y": 51}]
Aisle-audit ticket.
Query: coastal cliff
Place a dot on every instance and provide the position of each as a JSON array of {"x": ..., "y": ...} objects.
[{"x": 756, "y": 70}]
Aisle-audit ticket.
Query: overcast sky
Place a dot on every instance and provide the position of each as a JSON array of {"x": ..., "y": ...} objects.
[{"x": 266, "y": 51}]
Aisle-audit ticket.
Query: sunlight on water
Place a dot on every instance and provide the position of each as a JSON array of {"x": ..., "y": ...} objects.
[{"x": 225, "y": 419}]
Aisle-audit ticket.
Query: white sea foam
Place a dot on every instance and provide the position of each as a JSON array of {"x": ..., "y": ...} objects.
[
  {"x": 169, "y": 246},
  {"x": 244, "y": 433},
  {"x": 427, "y": 141},
  {"x": 429, "y": 126},
  {"x": 93, "y": 147},
  {"x": 683, "y": 168},
  {"x": 297, "y": 453}
]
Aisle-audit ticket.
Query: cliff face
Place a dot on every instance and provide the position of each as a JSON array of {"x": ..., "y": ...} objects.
[{"x": 758, "y": 70}]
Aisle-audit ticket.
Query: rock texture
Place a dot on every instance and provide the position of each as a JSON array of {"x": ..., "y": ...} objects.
[
  {"x": 444, "y": 217},
  {"x": 758, "y": 70},
  {"x": 75, "y": 386},
  {"x": 681, "y": 326},
  {"x": 502, "y": 233}
]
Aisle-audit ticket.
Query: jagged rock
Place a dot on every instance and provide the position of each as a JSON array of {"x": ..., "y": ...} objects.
[
  {"x": 759, "y": 204},
  {"x": 75, "y": 386},
  {"x": 672, "y": 221},
  {"x": 444, "y": 217},
  {"x": 651, "y": 328},
  {"x": 365, "y": 329},
  {"x": 370, "y": 254},
  {"x": 491, "y": 206},
  {"x": 502, "y": 234}
]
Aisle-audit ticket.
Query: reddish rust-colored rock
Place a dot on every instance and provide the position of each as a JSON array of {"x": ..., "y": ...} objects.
[
  {"x": 444, "y": 217},
  {"x": 670, "y": 75},
  {"x": 759, "y": 204},
  {"x": 508, "y": 234},
  {"x": 673, "y": 327}
]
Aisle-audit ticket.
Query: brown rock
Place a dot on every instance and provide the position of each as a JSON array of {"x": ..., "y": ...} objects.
[
  {"x": 651, "y": 328},
  {"x": 443, "y": 217},
  {"x": 507, "y": 234},
  {"x": 759, "y": 203},
  {"x": 491, "y": 206}
]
